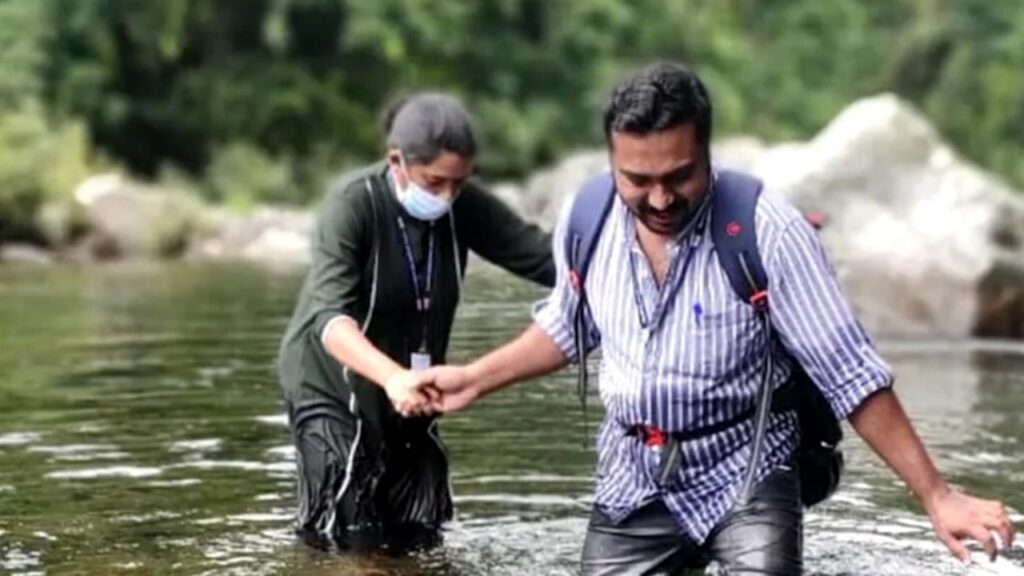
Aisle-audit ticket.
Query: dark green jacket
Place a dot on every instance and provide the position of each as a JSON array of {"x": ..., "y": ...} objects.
[{"x": 357, "y": 227}]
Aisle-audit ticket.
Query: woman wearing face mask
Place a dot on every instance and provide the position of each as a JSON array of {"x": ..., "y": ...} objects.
[{"x": 389, "y": 253}]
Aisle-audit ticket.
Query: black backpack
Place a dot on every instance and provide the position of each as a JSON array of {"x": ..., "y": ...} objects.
[{"x": 732, "y": 229}]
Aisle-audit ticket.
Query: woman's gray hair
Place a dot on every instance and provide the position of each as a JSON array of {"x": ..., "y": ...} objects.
[{"x": 426, "y": 124}]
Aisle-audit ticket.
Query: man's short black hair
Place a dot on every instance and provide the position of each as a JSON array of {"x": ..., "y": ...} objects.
[{"x": 658, "y": 97}]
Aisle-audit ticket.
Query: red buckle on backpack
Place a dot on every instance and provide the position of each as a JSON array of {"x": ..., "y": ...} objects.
[
  {"x": 817, "y": 219},
  {"x": 653, "y": 436},
  {"x": 759, "y": 300},
  {"x": 574, "y": 279}
]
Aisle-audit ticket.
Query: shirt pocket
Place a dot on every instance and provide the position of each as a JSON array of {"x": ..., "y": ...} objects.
[{"x": 723, "y": 339}]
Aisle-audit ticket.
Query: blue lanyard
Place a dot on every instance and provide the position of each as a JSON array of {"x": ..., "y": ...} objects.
[
  {"x": 675, "y": 283},
  {"x": 421, "y": 287}
]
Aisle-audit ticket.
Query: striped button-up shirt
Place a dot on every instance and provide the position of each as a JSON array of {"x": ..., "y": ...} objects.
[{"x": 690, "y": 354}]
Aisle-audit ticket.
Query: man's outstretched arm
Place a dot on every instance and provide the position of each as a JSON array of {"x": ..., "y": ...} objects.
[
  {"x": 819, "y": 327},
  {"x": 882, "y": 423},
  {"x": 544, "y": 347},
  {"x": 532, "y": 354}
]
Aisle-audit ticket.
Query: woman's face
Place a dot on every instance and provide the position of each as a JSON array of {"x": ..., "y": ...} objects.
[{"x": 443, "y": 177}]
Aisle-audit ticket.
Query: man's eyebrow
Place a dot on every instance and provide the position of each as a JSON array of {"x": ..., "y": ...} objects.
[{"x": 688, "y": 165}]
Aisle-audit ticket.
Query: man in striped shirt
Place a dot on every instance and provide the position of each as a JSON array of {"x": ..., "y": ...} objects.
[{"x": 681, "y": 352}]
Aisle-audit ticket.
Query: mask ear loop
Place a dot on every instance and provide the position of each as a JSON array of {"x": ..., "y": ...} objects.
[{"x": 405, "y": 169}]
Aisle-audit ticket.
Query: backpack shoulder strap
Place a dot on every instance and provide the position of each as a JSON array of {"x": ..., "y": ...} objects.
[
  {"x": 733, "y": 231},
  {"x": 589, "y": 211}
]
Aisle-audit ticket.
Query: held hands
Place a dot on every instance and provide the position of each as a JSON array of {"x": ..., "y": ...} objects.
[
  {"x": 456, "y": 387},
  {"x": 410, "y": 394},
  {"x": 440, "y": 389},
  {"x": 957, "y": 516}
]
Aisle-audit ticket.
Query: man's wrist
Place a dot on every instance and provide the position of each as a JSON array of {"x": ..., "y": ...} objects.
[
  {"x": 477, "y": 377},
  {"x": 933, "y": 494}
]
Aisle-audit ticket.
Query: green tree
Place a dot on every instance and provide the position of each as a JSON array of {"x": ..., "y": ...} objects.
[
  {"x": 300, "y": 83},
  {"x": 23, "y": 30}
]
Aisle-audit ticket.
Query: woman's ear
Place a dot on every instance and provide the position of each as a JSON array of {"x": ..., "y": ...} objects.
[{"x": 394, "y": 160}]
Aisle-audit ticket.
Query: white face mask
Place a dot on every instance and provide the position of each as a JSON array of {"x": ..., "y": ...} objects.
[{"x": 420, "y": 203}]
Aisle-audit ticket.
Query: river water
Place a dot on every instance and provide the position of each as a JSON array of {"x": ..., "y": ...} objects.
[{"x": 141, "y": 433}]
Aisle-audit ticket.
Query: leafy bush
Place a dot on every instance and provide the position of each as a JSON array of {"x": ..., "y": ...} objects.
[{"x": 40, "y": 163}]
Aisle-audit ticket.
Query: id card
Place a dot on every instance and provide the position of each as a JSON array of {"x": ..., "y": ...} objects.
[{"x": 419, "y": 361}]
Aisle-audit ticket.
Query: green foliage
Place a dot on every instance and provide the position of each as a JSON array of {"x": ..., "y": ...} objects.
[
  {"x": 261, "y": 100},
  {"x": 23, "y": 29},
  {"x": 176, "y": 80},
  {"x": 41, "y": 159},
  {"x": 39, "y": 163},
  {"x": 242, "y": 176},
  {"x": 968, "y": 57}
]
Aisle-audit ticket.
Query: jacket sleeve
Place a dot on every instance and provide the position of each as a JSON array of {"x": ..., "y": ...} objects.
[
  {"x": 498, "y": 234},
  {"x": 341, "y": 247}
]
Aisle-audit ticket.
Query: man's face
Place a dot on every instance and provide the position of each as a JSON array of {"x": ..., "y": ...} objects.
[
  {"x": 662, "y": 177},
  {"x": 443, "y": 177}
]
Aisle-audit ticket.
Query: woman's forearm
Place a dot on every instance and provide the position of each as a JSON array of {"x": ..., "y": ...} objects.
[{"x": 352, "y": 348}]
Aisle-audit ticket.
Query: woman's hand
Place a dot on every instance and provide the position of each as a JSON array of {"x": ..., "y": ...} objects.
[{"x": 410, "y": 394}]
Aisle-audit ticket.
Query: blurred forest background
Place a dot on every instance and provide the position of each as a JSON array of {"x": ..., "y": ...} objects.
[{"x": 255, "y": 101}]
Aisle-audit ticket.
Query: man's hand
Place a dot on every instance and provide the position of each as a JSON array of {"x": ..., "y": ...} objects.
[
  {"x": 957, "y": 516},
  {"x": 410, "y": 393},
  {"x": 456, "y": 387}
]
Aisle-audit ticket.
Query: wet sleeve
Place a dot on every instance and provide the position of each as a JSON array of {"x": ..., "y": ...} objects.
[
  {"x": 341, "y": 246},
  {"x": 498, "y": 234},
  {"x": 817, "y": 323}
]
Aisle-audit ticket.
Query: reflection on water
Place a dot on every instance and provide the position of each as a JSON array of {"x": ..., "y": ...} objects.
[{"x": 140, "y": 433}]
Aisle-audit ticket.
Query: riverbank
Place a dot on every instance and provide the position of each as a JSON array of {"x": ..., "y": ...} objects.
[{"x": 925, "y": 243}]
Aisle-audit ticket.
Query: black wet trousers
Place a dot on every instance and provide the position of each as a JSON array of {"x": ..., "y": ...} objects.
[
  {"x": 354, "y": 498},
  {"x": 765, "y": 536}
]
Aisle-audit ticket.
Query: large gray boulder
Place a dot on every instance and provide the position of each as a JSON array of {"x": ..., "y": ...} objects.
[
  {"x": 548, "y": 190},
  {"x": 926, "y": 243},
  {"x": 25, "y": 254},
  {"x": 511, "y": 193},
  {"x": 738, "y": 152},
  {"x": 278, "y": 237},
  {"x": 128, "y": 219}
]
